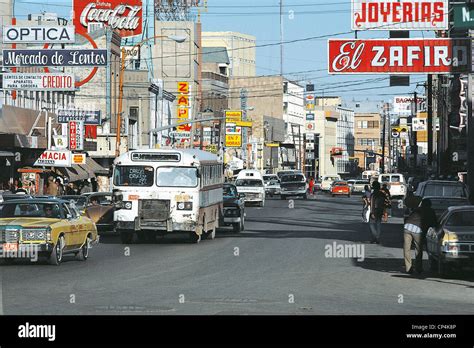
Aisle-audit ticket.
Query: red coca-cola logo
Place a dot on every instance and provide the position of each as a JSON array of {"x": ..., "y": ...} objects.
[{"x": 124, "y": 17}]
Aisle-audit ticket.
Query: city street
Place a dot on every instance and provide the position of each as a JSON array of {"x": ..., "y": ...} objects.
[{"x": 276, "y": 266}]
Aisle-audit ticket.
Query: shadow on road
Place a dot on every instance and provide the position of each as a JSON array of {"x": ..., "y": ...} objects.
[{"x": 397, "y": 267}]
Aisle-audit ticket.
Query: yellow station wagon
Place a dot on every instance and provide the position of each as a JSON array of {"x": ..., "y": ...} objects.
[{"x": 44, "y": 227}]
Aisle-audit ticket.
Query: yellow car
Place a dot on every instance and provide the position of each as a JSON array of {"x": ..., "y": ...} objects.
[{"x": 31, "y": 228}]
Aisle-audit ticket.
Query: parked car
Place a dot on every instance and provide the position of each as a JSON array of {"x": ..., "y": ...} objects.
[
  {"x": 395, "y": 182},
  {"x": 441, "y": 188},
  {"x": 293, "y": 185},
  {"x": 272, "y": 188},
  {"x": 327, "y": 181},
  {"x": 441, "y": 204},
  {"x": 234, "y": 208},
  {"x": 100, "y": 209},
  {"x": 452, "y": 243},
  {"x": 340, "y": 188},
  {"x": 51, "y": 225}
]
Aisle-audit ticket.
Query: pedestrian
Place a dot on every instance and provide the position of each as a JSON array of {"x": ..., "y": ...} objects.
[
  {"x": 60, "y": 187},
  {"x": 377, "y": 206},
  {"x": 366, "y": 204},
  {"x": 69, "y": 189},
  {"x": 311, "y": 185},
  {"x": 86, "y": 187},
  {"x": 388, "y": 202},
  {"x": 19, "y": 188},
  {"x": 415, "y": 228},
  {"x": 51, "y": 187}
]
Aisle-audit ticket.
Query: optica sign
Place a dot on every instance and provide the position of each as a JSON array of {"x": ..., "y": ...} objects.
[
  {"x": 402, "y": 56},
  {"x": 38, "y": 34},
  {"x": 126, "y": 17},
  {"x": 400, "y": 14}
]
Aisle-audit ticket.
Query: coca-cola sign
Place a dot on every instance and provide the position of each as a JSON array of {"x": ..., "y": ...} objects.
[
  {"x": 400, "y": 14},
  {"x": 398, "y": 56},
  {"x": 124, "y": 16}
]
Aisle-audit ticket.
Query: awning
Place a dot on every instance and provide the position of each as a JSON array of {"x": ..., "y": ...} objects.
[
  {"x": 94, "y": 168},
  {"x": 74, "y": 173}
]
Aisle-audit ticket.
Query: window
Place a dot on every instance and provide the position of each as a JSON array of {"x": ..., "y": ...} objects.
[
  {"x": 176, "y": 177},
  {"x": 140, "y": 176}
]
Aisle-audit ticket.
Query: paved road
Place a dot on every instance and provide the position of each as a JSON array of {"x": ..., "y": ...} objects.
[{"x": 280, "y": 268}]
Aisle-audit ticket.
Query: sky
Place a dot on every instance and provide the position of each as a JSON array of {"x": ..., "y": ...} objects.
[{"x": 305, "y": 61}]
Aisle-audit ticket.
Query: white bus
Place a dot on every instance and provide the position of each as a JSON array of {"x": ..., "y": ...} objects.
[{"x": 159, "y": 191}]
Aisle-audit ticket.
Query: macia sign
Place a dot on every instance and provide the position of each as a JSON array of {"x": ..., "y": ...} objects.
[
  {"x": 42, "y": 58},
  {"x": 126, "y": 17},
  {"x": 402, "y": 56},
  {"x": 52, "y": 158},
  {"x": 38, "y": 34},
  {"x": 400, "y": 15},
  {"x": 39, "y": 82}
]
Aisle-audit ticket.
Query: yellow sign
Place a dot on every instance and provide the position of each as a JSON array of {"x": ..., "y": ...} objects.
[
  {"x": 183, "y": 87},
  {"x": 183, "y": 116},
  {"x": 183, "y": 100},
  {"x": 212, "y": 148},
  {"x": 233, "y": 116},
  {"x": 244, "y": 124},
  {"x": 272, "y": 145},
  {"x": 79, "y": 158},
  {"x": 233, "y": 140}
]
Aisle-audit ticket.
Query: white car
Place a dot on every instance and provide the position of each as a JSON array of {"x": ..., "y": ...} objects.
[
  {"x": 395, "y": 182},
  {"x": 250, "y": 182},
  {"x": 327, "y": 181}
]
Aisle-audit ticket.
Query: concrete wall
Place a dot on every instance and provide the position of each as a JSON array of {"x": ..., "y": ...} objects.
[{"x": 326, "y": 125}]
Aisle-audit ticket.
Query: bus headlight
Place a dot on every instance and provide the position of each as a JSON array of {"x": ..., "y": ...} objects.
[
  {"x": 185, "y": 206},
  {"x": 127, "y": 205}
]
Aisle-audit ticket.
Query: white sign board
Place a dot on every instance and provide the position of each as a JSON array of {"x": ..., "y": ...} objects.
[
  {"x": 39, "y": 82},
  {"x": 404, "y": 105},
  {"x": 38, "y": 34},
  {"x": 60, "y": 142},
  {"x": 51, "y": 158},
  {"x": 419, "y": 124},
  {"x": 76, "y": 135},
  {"x": 399, "y": 15}
]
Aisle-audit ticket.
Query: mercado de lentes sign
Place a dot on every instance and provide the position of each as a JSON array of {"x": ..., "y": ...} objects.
[
  {"x": 54, "y": 57},
  {"x": 398, "y": 56}
]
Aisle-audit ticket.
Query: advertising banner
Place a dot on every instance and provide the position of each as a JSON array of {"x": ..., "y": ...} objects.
[
  {"x": 126, "y": 17},
  {"x": 183, "y": 107},
  {"x": 38, "y": 34},
  {"x": 53, "y": 57},
  {"x": 398, "y": 56},
  {"x": 233, "y": 116},
  {"x": 399, "y": 15},
  {"x": 233, "y": 140},
  {"x": 419, "y": 124},
  {"x": 88, "y": 117},
  {"x": 39, "y": 82},
  {"x": 309, "y": 102},
  {"x": 404, "y": 105},
  {"x": 76, "y": 135},
  {"x": 78, "y": 158},
  {"x": 51, "y": 158}
]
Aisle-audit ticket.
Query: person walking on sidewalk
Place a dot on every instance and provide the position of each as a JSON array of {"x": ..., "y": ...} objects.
[
  {"x": 311, "y": 186},
  {"x": 366, "y": 204},
  {"x": 415, "y": 228},
  {"x": 377, "y": 207},
  {"x": 388, "y": 202}
]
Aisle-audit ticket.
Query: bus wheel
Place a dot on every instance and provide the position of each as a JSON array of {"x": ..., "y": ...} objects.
[
  {"x": 126, "y": 237},
  {"x": 194, "y": 237},
  {"x": 212, "y": 234}
]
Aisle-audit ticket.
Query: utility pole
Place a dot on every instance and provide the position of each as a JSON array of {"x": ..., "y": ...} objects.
[
  {"x": 414, "y": 150},
  {"x": 384, "y": 130},
  {"x": 430, "y": 130},
  {"x": 281, "y": 37}
]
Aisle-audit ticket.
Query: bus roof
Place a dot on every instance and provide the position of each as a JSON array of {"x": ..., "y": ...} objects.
[{"x": 182, "y": 156}]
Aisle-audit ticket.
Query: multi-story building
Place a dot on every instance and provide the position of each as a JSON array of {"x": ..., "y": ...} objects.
[
  {"x": 345, "y": 141},
  {"x": 241, "y": 50},
  {"x": 215, "y": 80},
  {"x": 368, "y": 129}
]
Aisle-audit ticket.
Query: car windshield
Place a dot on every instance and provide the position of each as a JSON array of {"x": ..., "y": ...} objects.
[
  {"x": 30, "y": 209},
  {"x": 461, "y": 219},
  {"x": 230, "y": 191},
  {"x": 78, "y": 201},
  {"x": 273, "y": 183},
  {"x": 100, "y": 199},
  {"x": 292, "y": 178},
  {"x": 249, "y": 182},
  {"x": 445, "y": 190},
  {"x": 177, "y": 177},
  {"x": 138, "y": 176},
  {"x": 362, "y": 182},
  {"x": 446, "y": 203}
]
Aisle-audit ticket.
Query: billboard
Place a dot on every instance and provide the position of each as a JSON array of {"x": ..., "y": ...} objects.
[
  {"x": 398, "y": 56},
  {"x": 38, "y": 34},
  {"x": 53, "y": 57},
  {"x": 183, "y": 107},
  {"x": 88, "y": 117},
  {"x": 404, "y": 105},
  {"x": 463, "y": 16},
  {"x": 399, "y": 15},
  {"x": 52, "y": 158},
  {"x": 126, "y": 17},
  {"x": 39, "y": 82},
  {"x": 76, "y": 135}
]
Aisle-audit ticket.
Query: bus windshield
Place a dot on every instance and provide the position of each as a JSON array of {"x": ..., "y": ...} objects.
[
  {"x": 176, "y": 177},
  {"x": 141, "y": 176}
]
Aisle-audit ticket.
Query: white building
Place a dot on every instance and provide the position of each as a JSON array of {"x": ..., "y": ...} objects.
[{"x": 345, "y": 140}]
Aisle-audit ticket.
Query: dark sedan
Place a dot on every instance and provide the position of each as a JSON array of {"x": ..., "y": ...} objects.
[{"x": 234, "y": 208}]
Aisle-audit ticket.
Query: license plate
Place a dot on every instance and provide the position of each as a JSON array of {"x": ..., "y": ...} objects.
[{"x": 10, "y": 247}]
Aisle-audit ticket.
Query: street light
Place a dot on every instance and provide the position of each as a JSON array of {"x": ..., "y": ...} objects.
[{"x": 175, "y": 38}]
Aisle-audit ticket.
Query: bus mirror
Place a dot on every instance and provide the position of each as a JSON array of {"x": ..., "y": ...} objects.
[{"x": 198, "y": 173}]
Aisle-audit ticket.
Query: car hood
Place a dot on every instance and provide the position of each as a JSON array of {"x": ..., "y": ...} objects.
[{"x": 27, "y": 222}]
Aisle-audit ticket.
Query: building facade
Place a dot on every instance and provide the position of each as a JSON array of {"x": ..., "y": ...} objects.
[
  {"x": 345, "y": 141},
  {"x": 368, "y": 130}
]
